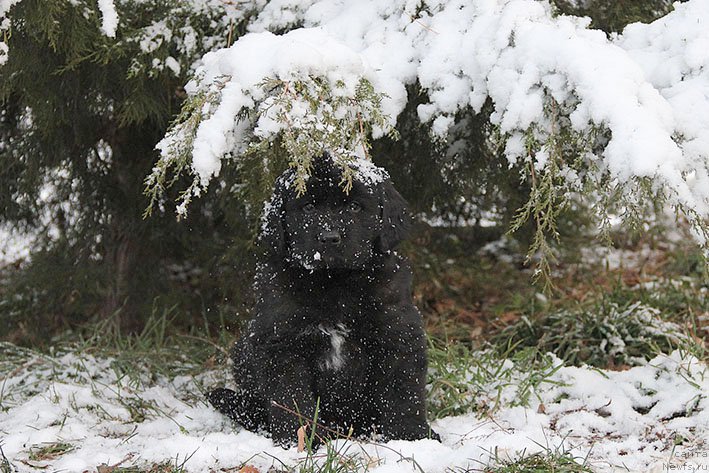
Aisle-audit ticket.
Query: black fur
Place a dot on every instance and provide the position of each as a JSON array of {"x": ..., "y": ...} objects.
[{"x": 332, "y": 284}]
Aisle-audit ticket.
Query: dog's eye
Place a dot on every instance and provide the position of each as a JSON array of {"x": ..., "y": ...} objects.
[
  {"x": 355, "y": 206},
  {"x": 309, "y": 207}
]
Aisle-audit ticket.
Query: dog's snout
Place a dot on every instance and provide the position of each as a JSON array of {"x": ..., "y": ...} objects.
[{"x": 330, "y": 238}]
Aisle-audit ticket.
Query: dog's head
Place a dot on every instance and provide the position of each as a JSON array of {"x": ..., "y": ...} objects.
[{"x": 326, "y": 228}]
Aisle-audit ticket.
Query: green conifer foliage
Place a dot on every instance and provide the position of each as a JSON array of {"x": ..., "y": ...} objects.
[
  {"x": 81, "y": 113},
  {"x": 612, "y": 16}
]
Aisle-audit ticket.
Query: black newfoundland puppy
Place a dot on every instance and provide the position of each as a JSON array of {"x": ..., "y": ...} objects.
[{"x": 334, "y": 325}]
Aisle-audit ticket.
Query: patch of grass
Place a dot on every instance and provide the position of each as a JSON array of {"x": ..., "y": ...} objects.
[
  {"x": 338, "y": 457},
  {"x": 134, "y": 360},
  {"x": 49, "y": 451},
  {"x": 549, "y": 461},
  {"x": 608, "y": 318},
  {"x": 13, "y": 360},
  {"x": 5, "y": 465},
  {"x": 139, "y": 409},
  {"x": 157, "y": 350},
  {"x": 464, "y": 380},
  {"x": 678, "y": 298},
  {"x": 599, "y": 334},
  {"x": 168, "y": 466},
  {"x": 164, "y": 467}
]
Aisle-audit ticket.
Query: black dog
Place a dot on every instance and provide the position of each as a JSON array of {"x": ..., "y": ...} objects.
[{"x": 335, "y": 325}]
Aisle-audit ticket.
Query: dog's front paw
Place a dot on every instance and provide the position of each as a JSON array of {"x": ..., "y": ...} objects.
[
  {"x": 285, "y": 436},
  {"x": 224, "y": 400},
  {"x": 240, "y": 407},
  {"x": 409, "y": 430}
]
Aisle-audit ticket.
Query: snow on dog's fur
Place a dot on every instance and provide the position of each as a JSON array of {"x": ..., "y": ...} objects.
[{"x": 334, "y": 325}]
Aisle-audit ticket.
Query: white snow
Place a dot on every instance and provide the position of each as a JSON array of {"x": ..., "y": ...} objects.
[
  {"x": 154, "y": 35},
  {"x": 5, "y": 6},
  {"x": 627, "y": 419},
  {"x": 335, "y": 359},
  {"x": 109, "y": 17},
  {"x": 3, "y": 52},
  {"x": 368, "y": 173},
  {"x": 15, "y": 246}
]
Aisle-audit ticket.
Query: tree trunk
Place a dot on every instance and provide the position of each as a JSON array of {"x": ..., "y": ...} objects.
[{"x": 120, "y": 303}]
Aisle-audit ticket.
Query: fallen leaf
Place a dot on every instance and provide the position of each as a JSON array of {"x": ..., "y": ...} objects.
[
  {"x": 301, "y": 438},
  {"x": 249, "y": 469}
]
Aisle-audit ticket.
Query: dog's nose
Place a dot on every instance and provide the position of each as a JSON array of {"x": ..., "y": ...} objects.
[{"x": 330, "y": 238}]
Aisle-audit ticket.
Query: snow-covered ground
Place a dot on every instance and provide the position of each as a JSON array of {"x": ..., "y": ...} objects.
[{"x": 649, "y": 418}]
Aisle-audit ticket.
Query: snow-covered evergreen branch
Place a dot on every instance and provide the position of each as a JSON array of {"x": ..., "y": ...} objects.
[{"x": 637, "y": 101}]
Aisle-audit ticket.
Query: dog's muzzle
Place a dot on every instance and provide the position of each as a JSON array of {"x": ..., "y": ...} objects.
[{"x": 330, "y": 238}]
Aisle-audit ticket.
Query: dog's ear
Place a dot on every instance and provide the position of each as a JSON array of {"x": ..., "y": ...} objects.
[
  {"x": 396, "y": 221},
  {"x": 271, "y": 237}
]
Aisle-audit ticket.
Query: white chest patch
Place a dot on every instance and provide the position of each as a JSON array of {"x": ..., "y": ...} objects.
[{"x": 334, "y": 359}]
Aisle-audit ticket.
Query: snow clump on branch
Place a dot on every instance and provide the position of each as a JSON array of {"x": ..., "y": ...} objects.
[
  {"x": 109, "y": 17},
  {"x": 4, "y": 27},
  {"x": 240, "y": 72},
  {"x": 305, "y": 87}
]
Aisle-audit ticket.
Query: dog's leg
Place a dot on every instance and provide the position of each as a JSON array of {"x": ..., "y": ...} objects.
[
  {"x": 403, "y": 398},
  {"x": 281, "y": 379},
  {"x": 292, "y": 400},
  {"x": 403, "y": 406}
]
